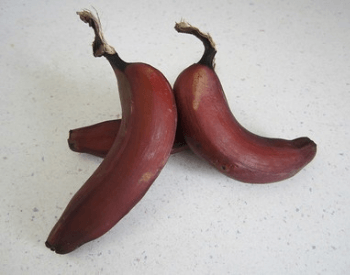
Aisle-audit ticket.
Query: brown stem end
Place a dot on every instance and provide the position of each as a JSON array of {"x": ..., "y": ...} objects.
[
  {"x": 208, "y": 57},
  {"x": 100, "y": 46}
]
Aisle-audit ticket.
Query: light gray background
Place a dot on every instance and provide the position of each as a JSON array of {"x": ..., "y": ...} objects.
[{"x": 285, "y": 68}]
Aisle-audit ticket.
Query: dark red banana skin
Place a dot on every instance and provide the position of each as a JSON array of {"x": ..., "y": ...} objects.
[
  {"x": 98, "y": 138},
  {"x": 213, "y": 133},
  {"x": 137, "y": 156}
]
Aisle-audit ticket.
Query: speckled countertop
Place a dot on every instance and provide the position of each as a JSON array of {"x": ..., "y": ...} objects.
[{"x": 285, "y": 68}]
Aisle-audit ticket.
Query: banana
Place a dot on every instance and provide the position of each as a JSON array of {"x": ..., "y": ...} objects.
[
  {"x": 95, "y": 139},
  {"x": 98, "y": 138},
  {"x": 137, "y": 156},
  {"x": 213, "y": 133}
]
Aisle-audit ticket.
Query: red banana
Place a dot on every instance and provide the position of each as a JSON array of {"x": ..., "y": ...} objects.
[
  {"x": 98, "y": 138},
  {"x": 137, "y": 156},
  {"x": 212, "y": 132}
]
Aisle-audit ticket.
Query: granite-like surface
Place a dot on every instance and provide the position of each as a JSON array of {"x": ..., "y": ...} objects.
[{"x": 285, "y": 68}]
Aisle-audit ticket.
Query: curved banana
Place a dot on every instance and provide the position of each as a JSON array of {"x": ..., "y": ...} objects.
[
  {"x": 137, "y": 156},
  {"x": 97, "y": 139},
  {"x": 212, "y": 132}
]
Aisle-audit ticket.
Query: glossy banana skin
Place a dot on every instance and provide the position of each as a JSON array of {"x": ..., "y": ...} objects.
[
  {"x": 213, "y": 133},
  {"x": 97, "y": 139},
  {"x": 137, "y": 156},
  {"x": 134, "y": 161}
]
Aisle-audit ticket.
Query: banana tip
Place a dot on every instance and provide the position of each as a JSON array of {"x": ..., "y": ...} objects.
[
  {"x": 55, "y": 249},
  {"x": 48, "y": 245}
]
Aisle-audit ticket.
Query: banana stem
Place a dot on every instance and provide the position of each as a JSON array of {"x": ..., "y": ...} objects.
[
  {"x": 100, "y": 46},
  {"x": 208, "y": 58}
]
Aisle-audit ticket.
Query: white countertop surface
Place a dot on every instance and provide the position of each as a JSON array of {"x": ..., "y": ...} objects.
[{"x": 285, "y": 68}]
